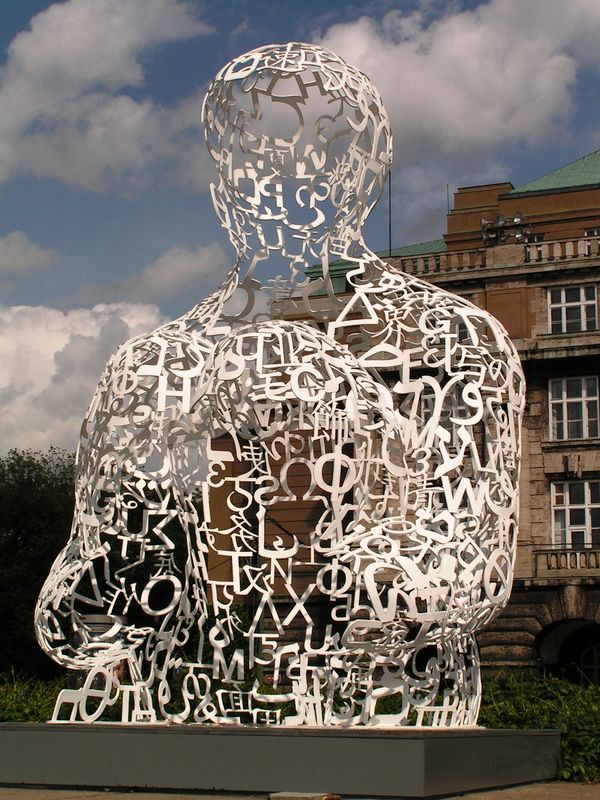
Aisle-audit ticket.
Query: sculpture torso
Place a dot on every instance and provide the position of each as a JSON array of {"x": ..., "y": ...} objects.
[{"x": 323, "y": 498}]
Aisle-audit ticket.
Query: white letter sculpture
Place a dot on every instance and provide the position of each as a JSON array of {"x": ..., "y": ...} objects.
[{"x": 294, "y": 505}]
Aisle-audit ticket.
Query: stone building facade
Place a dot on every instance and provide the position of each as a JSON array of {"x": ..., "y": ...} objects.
[{"x": 531, "y": 256}]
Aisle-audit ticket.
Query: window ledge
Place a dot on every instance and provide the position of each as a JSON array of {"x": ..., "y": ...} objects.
[
  {"x": 571, "y": 444},
  {"x": 565, "y": 562},
  {"x": 563, "y": 549},
  {"x": 565, "y": 334}
]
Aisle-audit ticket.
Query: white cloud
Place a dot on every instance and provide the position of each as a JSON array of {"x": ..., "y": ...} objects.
[
  {"x": 475, "y": 78},
  {"x": 420, "y": 194},
  {"x": 80, "y": 43},
  {"x": 19, "y": 254},
  {"x": 464, "y": 88},
  {"x": 66, "y": 113},
  {"x": 177, "y": 272},
  {"x": 50, "y": 363}
]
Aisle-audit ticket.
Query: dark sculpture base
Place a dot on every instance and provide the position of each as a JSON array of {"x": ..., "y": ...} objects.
[{"x": 414, "y": 763}]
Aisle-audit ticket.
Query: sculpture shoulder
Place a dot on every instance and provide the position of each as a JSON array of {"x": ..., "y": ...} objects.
[
  {"x": 394, "y": 319},
  {"x": 176, "y": 346},
  {"x": 177, "y": 339},
  {"x": 392, "y": 286},
  {"x": 145, "y": 375},
  {"x": 414, "y": 302}
]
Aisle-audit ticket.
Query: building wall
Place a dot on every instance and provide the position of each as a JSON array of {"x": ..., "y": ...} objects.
[
  {"x": 553, "y": 615},
  {"x": 554, "y": 215}
]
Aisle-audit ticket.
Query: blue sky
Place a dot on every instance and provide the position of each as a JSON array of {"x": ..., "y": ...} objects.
[{"x": 106, "y": 227}]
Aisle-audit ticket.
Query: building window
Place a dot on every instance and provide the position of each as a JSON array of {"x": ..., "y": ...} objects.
[
  {"x": 576, "y": 512},
  {"x": 572, "y": 309},
  {"x": 451, "y": 412},
  {"x": 461, "y": 329},
  {"x": 590, "y": 663},
  {"x": 462, "y": 332},
  {"x": 573, "y": 408}
]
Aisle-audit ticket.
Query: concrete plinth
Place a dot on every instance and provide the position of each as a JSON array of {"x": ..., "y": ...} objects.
[{"x": 413, "y": 763}]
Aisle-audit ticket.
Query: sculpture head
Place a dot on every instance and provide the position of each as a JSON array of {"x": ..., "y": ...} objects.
[{"x": 302, "y": 144}]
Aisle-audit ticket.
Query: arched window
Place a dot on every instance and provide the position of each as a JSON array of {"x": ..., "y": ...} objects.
[
  {"x": 590, "y": 663},
  {"x": 571, "y": 649}
]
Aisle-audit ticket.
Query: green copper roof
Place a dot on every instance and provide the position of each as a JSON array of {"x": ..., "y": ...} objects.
[
  {"x": 406, "y": 251},
  {"x": 583, "y": 172},
  {"x": 338, "y": 269},
  {"x": 423, "y": 248}
]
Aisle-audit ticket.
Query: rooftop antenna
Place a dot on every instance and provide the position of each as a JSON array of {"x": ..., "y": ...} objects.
[
  {"x": 390, "y": 212},
  {"x": 448, "y": 198}
]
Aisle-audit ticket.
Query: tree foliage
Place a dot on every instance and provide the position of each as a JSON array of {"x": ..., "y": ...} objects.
[
  {"x": 36, "y": 509},
  {"x": 27, "y": 699}
]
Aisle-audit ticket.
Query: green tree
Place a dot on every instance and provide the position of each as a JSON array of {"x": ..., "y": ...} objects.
[{"x": 36, "y": 509}]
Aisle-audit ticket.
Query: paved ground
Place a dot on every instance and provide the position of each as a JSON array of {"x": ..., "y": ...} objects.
[{"x": 556, "y": 790}]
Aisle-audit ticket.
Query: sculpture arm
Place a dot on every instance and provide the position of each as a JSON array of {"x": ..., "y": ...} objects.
[{"x": 117, "y": 579}]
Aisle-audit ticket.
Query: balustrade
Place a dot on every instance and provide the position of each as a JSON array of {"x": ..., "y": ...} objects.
[
  {"x": 469, "y": 260},
  {"x": 566, "y": 561}
]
